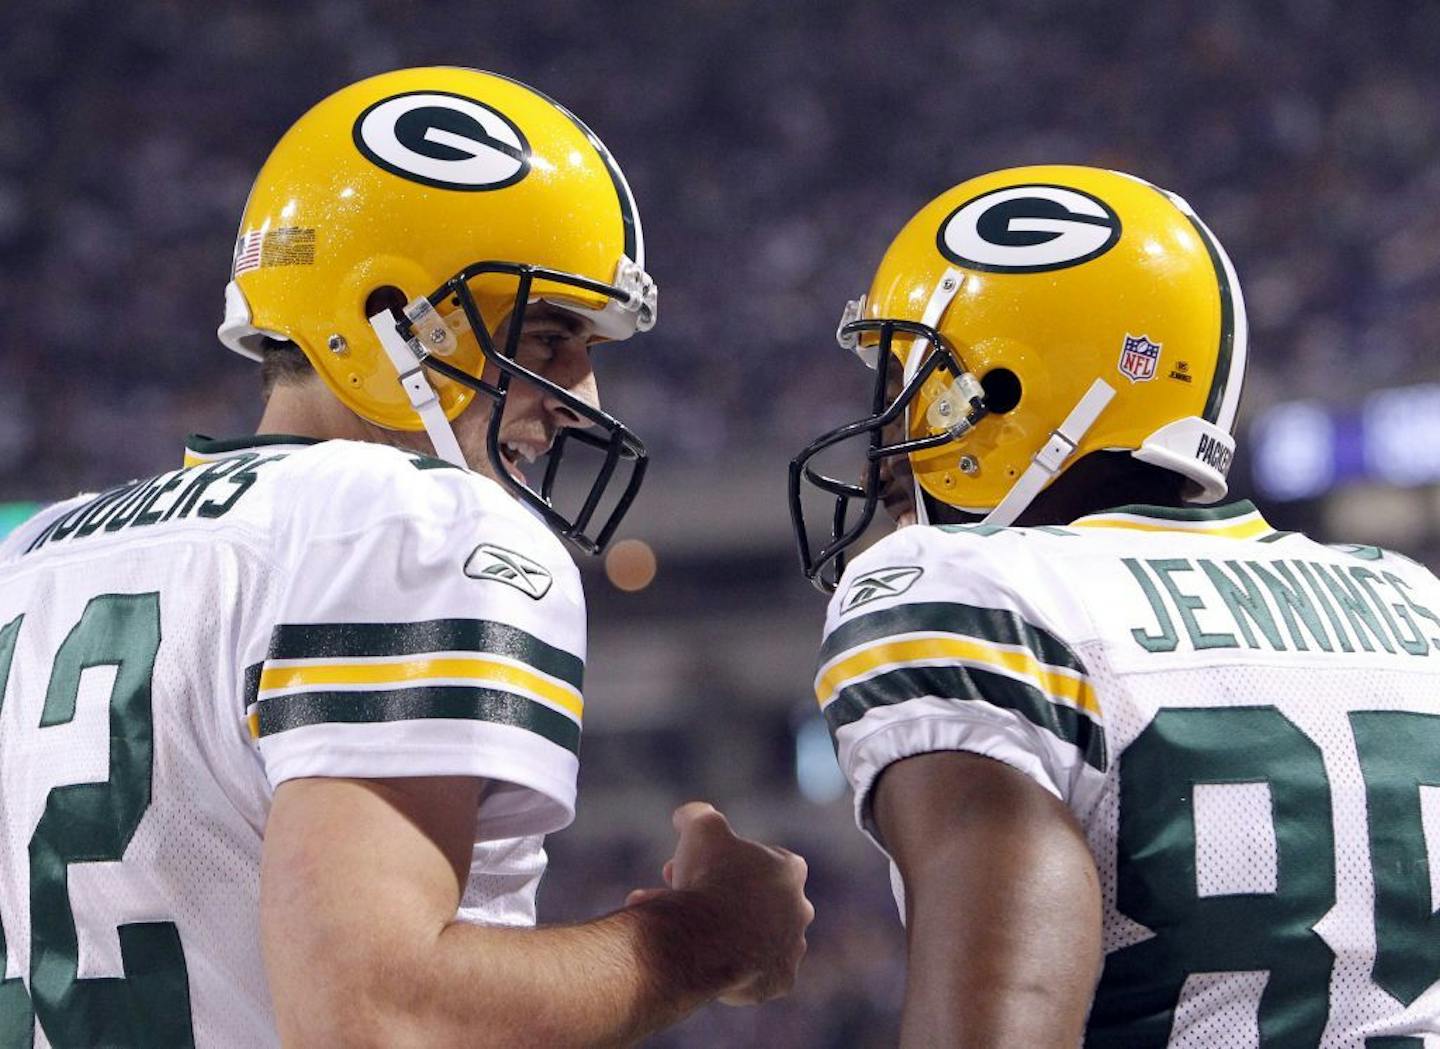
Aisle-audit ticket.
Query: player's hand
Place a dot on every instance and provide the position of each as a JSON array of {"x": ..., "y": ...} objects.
[{"x": 756, "y": 894}]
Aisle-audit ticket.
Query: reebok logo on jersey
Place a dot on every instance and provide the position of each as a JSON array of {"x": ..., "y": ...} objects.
[
  {"x": 883, "y": 582},
  {"x": 488, "y": 561}
]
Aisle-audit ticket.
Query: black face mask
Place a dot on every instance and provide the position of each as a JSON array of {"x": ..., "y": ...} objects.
[
  {"x": 825, "y": 566},
  {"x": 605, "y": 433}
]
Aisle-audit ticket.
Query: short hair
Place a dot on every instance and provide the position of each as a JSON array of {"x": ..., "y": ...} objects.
[{"x": 282, "y": 363}]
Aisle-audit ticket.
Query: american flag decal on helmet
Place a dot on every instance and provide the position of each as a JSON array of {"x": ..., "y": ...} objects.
[
  {"x": 1138, "y": 358},
  {"x": 247, "y": 252}
]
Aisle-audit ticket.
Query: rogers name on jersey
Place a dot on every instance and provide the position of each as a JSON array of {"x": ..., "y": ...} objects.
[{"x": 138, "y": 504}]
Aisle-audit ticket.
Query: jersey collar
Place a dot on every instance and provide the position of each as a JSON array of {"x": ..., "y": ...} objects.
[
  {"x": 200, "y": 449},
  {"x": 1238, "y": 520}
]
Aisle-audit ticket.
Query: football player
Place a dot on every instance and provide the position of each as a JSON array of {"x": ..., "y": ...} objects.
[
  {"x": 282, "y": 730},
  {"x": 1150, "y": 772}
]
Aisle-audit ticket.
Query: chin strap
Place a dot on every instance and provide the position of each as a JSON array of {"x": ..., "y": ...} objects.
[
  {"x": 423, "y": 397},
  {"x": 1053, "y": 455},
  {"x": 946, "y": 289}
]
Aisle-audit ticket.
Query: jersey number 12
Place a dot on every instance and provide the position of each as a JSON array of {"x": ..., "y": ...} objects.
[{"x": 93, "y": 823}]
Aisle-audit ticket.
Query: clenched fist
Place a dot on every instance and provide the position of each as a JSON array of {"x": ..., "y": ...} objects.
[{"x": 749, "y": 899}]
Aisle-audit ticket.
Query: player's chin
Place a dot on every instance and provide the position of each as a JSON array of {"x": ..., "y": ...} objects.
[{"x": 481, "y": 463}]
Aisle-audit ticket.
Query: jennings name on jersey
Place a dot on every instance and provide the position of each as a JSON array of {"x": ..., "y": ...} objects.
[
  {"x": 175, "y": 649},
  {"x": 1245, "y": 723}
]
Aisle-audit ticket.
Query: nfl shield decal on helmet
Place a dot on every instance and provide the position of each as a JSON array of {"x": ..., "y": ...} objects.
[
  {"x": 1138, "y": 358},
  {"x": 495, "y": 563}
]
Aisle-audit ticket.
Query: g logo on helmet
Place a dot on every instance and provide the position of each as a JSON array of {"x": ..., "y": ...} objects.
[
  {"x": 1028, "y": 229},
  {"x": 443, "y": 140}
]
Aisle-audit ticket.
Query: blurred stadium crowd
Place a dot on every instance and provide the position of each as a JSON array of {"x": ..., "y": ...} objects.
[{"x": 773, "y": 148}]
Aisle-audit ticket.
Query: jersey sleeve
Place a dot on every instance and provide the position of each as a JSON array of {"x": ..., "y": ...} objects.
[
  {"x": 428, "y": 626},
  {"x": 931, "y": 645}
]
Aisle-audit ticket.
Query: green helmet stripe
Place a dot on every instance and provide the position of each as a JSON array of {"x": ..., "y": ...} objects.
[{"x": 1225, "y": 353}]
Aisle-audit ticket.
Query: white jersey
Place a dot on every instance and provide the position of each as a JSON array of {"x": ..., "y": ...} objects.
[
  {"x": 1245, "y": 723},
  {"x": 173, "y": 650}
]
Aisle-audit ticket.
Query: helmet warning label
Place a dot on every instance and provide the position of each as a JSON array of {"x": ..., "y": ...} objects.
[{"x": 287, "y": 246}]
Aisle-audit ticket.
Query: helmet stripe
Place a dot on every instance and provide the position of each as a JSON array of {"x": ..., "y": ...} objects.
[
  {"x": 1225, "y": 353},
  {"x": 629, "y": 215},
  {"x": 1223, "y": 401}
]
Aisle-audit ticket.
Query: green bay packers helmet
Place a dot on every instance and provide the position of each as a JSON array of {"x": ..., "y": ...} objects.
[
  {"x": 465, "y": 196},
  {"x": 1036, "y": 315}
]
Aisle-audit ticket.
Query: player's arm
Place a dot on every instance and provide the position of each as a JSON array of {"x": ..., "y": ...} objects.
[
  {"x": 1002, "y": 904},
  {"x": 361, "y": 881}
]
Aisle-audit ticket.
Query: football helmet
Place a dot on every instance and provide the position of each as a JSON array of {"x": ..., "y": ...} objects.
[
  {"x": 466, "y": 196},
  {"x": 1036, "y": 315}
]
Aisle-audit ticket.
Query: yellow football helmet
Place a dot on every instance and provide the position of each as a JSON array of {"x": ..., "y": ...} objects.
[
  {"x": 465, "y": 195},
  {"x": 1039, "y": 314}
]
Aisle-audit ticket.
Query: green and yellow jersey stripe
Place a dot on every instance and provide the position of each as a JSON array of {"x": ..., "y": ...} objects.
[
  {"x": 1245, "y": 529},
  {"x": 960, "y": 652},
  {"x": 1062, "y": 685},
  {"x": 200, "y": 450},
  {"x": 472, "y": 669},
  {"x": 1239, "y": 520},
  {"x": 340, "y": 641},
  {"x": 492, "y": 671}
]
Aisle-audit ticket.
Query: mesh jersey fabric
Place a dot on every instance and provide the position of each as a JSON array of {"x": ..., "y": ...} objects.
[
  {"x": 1245, "y": 723},
  {"x": 180, "y": 646}
]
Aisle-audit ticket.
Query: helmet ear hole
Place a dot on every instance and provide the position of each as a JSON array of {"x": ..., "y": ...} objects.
[
  {"x": 386, "y": 297},
  {"x": 1002, "y": 390}
]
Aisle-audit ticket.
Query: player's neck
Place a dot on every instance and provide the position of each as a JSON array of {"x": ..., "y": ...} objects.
[
  {"x": 1101, "y": 481},
  {"x": 308, "y": 410}
]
